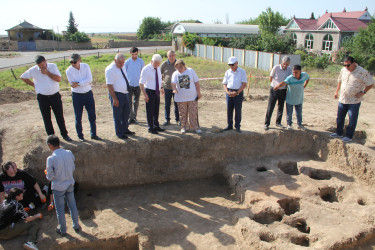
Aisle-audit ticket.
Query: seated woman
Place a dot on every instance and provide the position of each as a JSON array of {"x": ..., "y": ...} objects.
[
  {"x": 13, "y": 219},
  {"x": 185, "y": 84},
  {"x": 13, "y": 177}
]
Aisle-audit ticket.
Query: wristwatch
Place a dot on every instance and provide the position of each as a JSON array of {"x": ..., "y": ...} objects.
[
  {"x": 364, "y": 92},
  {"x": 237, "y": 93}
]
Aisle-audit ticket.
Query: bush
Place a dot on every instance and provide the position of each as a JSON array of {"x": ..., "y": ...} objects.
[
  {"x": 302, "y": 53},
  {"x": 79, "y": 37},
  {"x": 371, "y": 64},
  {"x": 189, "y": 40}
]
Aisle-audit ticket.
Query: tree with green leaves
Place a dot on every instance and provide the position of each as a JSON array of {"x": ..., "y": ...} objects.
[
  {"x": 72, "y": 33},
  {"x": 149, "y": 27},
  {"x": 189, "y": 40},
  {"x": 270, "y": 22},
  {"x": 72, "y": 25},
  {"x": 362, "y": 47}
]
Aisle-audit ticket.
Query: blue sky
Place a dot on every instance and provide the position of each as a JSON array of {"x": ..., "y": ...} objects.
[{"x": 125, "y": 16}]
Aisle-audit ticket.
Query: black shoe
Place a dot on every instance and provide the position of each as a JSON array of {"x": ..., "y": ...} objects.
[
  {"x": 166, "y": 123},
  {"x": 228, "y": 128},
  {"x": 58, "y": 231},
  {"x": 153, "y": 131},
  {"x": 95, "y": 137},
  {"x": 132, "y": 121},
  {"x": 78, "y": 230},
  {"x": 129, "y": 132},
  {"x": 124, "y": 137},
  {"x": 159, "y": 129},
  {"x": 67, "y": 138},
  {"x": 82, "y": 139},
  {"x": 238, "y": 130}
]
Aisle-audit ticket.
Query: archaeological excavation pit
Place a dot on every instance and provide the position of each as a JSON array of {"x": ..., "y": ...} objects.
[{"x": 228, "y": 190}]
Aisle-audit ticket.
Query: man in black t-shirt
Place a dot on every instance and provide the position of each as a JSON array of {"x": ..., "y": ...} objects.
[
  {"x": 13, "y": 177},
  {"x": 15, "y": 221}
]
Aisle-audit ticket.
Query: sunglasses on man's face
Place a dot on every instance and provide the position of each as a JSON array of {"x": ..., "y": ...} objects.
[
  {"x": 73, "y": 62},
  {"x": 347, "y": 65},
  {"x": 231, "y": 64}
]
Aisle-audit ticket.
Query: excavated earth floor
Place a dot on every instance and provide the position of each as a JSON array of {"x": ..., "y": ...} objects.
[{"x": 277, "y": 189}]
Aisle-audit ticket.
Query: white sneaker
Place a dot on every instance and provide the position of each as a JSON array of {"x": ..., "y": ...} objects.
[
  {"x": 30, "y": 245},
  {"x": 346, "y": 139},
  {"x": 266, "y": 127},
  {"x": 289, "y": 127},
  {"x": 335, "y": 135},
  {"x": 198, "y": 131},
  {"x": 301, "y": 127},
  {"x": 183, "y": 131}
]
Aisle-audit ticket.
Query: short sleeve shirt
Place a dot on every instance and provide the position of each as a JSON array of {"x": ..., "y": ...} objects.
[
  {"x": 294, "y": 95},
  {"x": 234, "y": 79},
  {"x": 278, "y": 75},
  {"x": 43, "y": 84},
  {"x": 21, "y": 180},
  {"x": 352, "y": 83},
  {"x": 114, "y": 77},
  {"x": 148, "y": 77},
  {"x": 185, "y": 84}
]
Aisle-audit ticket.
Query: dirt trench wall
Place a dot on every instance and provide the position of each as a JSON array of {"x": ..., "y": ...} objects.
[
  {"x": 175, "y": 158},
  {"x": 353, "y": 159}
]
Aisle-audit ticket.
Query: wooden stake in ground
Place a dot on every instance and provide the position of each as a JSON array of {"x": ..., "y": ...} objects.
[{"x": 248, "y": 85}]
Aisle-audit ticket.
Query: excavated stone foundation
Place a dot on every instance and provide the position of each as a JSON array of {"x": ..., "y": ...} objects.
[{"x": 290, "y": 190}]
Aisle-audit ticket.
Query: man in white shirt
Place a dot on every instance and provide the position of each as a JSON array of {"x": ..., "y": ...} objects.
[
  {"x": 234, "y": 83},
  {"x": 46, "y": 78},
  {"x": 151, "y": 86},
  {"x": 118, "y": 85},
  {"x": 278, "y": 74},
  {"x": 80, "y": 79},
  {"x": 353, "y": 83}
]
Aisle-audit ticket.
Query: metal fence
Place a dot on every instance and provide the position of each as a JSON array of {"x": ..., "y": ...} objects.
[{"x": 255, "y": 59}]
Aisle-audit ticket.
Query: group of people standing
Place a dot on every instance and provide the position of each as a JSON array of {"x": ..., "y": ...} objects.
[
  {"x": 353, "y": 83},
  {"x": 126, "y": 80}
]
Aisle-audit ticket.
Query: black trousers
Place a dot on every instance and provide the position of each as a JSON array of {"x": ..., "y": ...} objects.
[
  {"x": 152, "y": 109},
  {"x": 48, "y": 102},
  {"x": 278, "y": 96}
]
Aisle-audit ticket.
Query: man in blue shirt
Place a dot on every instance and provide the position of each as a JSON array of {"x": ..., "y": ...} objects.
[
  {"x": 296, "y": 82},
  {"x": 60, "y": 168},
  {"x": 133, "y": 68}
]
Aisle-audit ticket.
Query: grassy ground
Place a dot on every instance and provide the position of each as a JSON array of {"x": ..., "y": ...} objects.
[{"x": 203, "y": 68}]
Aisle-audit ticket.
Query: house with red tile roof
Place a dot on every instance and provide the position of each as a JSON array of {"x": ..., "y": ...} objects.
[{"x": 326, "y": 34}]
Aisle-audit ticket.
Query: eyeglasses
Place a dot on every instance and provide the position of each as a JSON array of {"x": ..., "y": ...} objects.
[
  {"x": 347, "y": 65},
  {"x": 231, "y": 64},
  {"x": 73, "y": 62}
]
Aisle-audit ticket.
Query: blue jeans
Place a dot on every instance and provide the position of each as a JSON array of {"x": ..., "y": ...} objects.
[
  {"x": 84, "y": 100},
  {"x": 289, "y": 113},
  {"x": 234, "y": 104},
  {"x": 121, "y": 113},
  {"x": 353, "y": 111},
  {"x": 168, "y": 94},
  {"x": 59, "y": 197}
]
